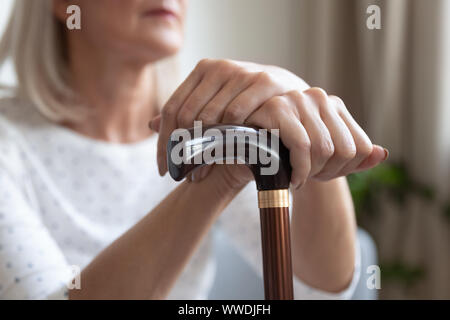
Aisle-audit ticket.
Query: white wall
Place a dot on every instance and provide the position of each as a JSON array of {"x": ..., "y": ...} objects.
[{"x": 252, "y": 30}]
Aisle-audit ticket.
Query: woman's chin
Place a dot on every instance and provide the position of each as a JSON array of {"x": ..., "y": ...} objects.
[
  {"x": 169, "y": 48},
  {"x": 149, "y": 53},
  {"x": 163, "y": 47}
]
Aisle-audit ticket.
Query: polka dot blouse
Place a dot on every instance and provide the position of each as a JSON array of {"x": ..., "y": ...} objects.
[{"x": 65, "y": 197}]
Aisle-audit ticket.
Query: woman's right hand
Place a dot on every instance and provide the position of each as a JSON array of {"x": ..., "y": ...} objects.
[{"x": 324, "y": 140}]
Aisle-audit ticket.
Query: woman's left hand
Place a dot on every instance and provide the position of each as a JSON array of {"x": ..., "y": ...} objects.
[{"x": 324, "y": 140}]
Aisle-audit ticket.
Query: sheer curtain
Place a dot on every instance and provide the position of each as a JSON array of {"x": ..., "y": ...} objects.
[
  {"x": 396, "y": 82},
  {"x": 6, "y": 73}
]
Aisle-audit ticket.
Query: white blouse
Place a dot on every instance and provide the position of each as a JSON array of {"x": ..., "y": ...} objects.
[{"x": 65, "y": 197}]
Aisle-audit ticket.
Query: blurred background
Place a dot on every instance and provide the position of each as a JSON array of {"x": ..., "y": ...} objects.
[{"x": 394, "y": 80}]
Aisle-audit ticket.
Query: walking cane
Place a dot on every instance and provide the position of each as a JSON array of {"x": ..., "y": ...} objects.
[{"x": 273, "y": 189}]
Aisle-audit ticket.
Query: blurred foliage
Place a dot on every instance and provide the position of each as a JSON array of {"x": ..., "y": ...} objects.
[
  {"x": 391, "y": 181},
  {"x": 446, "y": 210},
  {"x": 400, "y": 272}
]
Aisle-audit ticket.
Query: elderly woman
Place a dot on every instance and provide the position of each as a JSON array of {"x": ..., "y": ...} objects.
[{"x": 79, "y": 184}]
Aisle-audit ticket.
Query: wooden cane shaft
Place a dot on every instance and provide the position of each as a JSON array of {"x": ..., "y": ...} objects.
[{"x": 276, "y": 245}]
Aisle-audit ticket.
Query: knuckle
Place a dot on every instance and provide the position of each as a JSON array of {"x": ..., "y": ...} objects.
[
  {"x": 297, "y": 100},
  {"x": 346, "y": 152},
  {"x": 303, "y": 145},
  {"x": 206, "y": 117},
  {"x": 233, "y": 113},
  {"x": 204, "y": 63},
  {"x": 365, "y": 149},
  {"x": 243, "y": 75},
  {"x": 191, "y": 105},
  {"x": 226, "y": 65},
  {"x": 224, "y": 69},
  {"x": 168, "y": 113},
  {"x": 337, "y": 99},
  {"x": 295, "y": 95},
  {"x": 265, "y": 78},
  {"x": 338, "y": 102},
  {"x": 183, "y": 119},
  {"x": 325, "y": 149},
  {"x": 278, "y": 103},
  {"x": 186, "y": 115},
  {"x": 318, "y": 93}
]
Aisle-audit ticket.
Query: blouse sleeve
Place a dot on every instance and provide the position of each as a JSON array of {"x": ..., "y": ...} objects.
[
  {"x": 240, "y": 222},
  {"x": 31, "y": 264}
]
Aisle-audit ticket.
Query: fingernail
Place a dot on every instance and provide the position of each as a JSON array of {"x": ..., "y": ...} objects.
[{"x": 386, "y": 154}]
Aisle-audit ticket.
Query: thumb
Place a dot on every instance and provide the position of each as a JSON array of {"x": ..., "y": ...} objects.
[
  {"x": 379, "y": 154},
  {"x": 155, "y": 123}
]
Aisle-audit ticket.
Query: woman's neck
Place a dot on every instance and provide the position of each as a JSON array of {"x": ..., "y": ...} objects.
[{"x": 120, "y": 95}]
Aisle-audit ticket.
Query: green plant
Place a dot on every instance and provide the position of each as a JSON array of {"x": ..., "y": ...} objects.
[
  {"x": 398, "y": 271},
  {"x": 446, "y": 210},
  {"x": 391, "y": 181}
]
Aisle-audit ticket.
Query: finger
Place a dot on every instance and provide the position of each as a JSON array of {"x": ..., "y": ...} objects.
[
  {"x": 364, "y": 146},
  {"x": 240, "y": 108},
  {"x": 344, "y": 145},
  {"x": 379, "y": 154},
  {"x": 155, "y": 123},
  {"x": 322, "y": 147},
  {"x": 209, "y": 86},
  {"x": 213, "y": 112},
  {"x": 276, "y": 113},
  {"x": 169, "y": 112}
]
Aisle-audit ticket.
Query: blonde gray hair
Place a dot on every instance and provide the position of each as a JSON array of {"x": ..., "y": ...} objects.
[{"x": 34, "y": 40}]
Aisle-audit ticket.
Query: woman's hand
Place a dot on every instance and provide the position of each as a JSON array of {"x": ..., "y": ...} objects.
[{"x": 324, "y": 140}]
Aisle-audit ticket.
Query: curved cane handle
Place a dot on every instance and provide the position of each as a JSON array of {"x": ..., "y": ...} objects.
[{"x": 237, "y": 138}]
